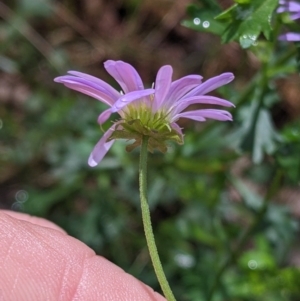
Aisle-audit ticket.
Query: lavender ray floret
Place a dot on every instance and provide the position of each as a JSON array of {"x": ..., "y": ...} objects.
[
  {"x": 211, "y": 84},
  {"x": 125, "y": 75},
  {"x": 205, "y": 99},
  {"x": 101, "y": 148},
  {"x": 162, "y": 86},
  {"x": 91, "y": 92},
  {"x": 128, "y": 98}
]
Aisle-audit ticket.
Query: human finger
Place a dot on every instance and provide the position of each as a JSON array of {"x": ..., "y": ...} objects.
[{"x": 43, "y": 263}]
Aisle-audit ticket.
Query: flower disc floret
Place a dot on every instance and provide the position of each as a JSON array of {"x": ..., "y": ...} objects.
[{"x": 143, "y": 112}]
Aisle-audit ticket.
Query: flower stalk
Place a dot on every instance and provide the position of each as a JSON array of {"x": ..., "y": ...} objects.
[{"x": 147, "y": 223}]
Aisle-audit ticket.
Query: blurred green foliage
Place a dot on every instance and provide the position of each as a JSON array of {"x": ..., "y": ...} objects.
[{"x": 224, "y": 204}]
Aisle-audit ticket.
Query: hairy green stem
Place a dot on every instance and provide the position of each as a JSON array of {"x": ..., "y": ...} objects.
[{"x": 147, "y": 223}]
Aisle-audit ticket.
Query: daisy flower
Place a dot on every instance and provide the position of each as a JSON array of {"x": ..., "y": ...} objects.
[{"x": 153, "y": 112}]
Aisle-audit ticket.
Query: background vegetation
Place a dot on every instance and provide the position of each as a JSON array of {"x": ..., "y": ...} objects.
[{"x": 225, "y": 205}]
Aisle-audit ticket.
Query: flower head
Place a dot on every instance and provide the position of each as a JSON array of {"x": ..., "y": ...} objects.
[
  {"x": 293, "y": 8},
  {"x": 152, "y": 112}
]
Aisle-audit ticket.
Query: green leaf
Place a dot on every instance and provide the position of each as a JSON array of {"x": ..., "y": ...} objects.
[
  {"x": 265, "y": 136},
  {"x": 250, "y": 197},
  {"x": 257, "y": 133},
  {"x": 259, "y": 258},
  {"x": 288, "y": 154},
  {"x": 203, "y": 19},
  {"x": 247, "y": 20},
  {"x": 242, "y": 1}
]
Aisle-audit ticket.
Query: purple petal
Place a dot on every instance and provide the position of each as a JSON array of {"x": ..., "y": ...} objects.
[
  {"x": 290, "y": 36},
  {"x": 211, "y": 84},
  {"x": 201, "y": 115},
  {"x": 125, "y": 75},
  {"x": 180, "y": 87},
  {"x": 126, "y": 99},
  {"x": 101, "y": 148},
  {"x": 91, "y": 92},
  {"x": 193, "y": 116},
  {"x": 103, "y": 90},
  {"x": 295, "y": 16},
  {"x": 177, "y": 128},
  {"x": 111, "y": 92},
  {"x": 216, "y": 114},
  {"x": 289, "y": 6},
  {"x": 184, "y": 103},
  {"x": 280, "y": 9},
  {"x": 108, "y": 88},
  {"x": 104, "y": 116},
  {"x": 162, "y": 85}
]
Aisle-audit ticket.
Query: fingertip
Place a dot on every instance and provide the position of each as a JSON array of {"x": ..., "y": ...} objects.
[
  {"x": 103, "y": 280},
  {"x": 42, "y": 263}
]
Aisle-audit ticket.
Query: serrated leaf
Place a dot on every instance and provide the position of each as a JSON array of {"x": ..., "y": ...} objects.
[
  {"x": 246, "y": 21},
  {"x": 258, "y": 133}
]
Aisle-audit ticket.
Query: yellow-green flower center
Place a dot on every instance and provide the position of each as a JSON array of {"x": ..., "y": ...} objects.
[
  {"x": 142, "y": 112},
  {"x": 138, "y": 120}
]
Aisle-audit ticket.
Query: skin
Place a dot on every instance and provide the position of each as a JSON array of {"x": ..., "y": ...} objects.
[{"x": 39, "y": 261}]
